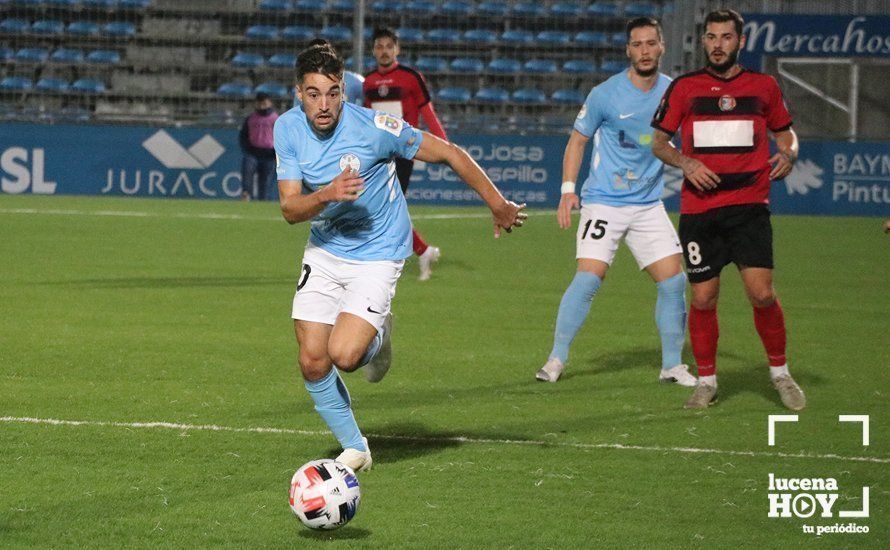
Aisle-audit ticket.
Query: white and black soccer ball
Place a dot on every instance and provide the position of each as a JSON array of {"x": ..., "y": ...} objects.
[{"x": 324, "y": 494}]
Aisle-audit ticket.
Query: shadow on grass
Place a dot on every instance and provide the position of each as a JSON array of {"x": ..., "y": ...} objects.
[
  {"x": 621, "y": 360},
  {"x": 344, "y": 533},
  {"x": 756, "y": 380},
  {"x": 174, "y": 282}
]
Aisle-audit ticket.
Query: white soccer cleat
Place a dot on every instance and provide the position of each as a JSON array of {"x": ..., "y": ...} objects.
[
  {"x": 359, "y": 461},
  {"x": 377, "y": 367},
  {"x": 551, "y": 371},
  {"x": 427, "y": 259},
  {"x": 678, "y": 374}
]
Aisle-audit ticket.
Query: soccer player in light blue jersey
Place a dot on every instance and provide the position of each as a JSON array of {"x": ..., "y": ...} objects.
[
  {"x": 336, "y": 169},
  {"x": 621, "y": 199}
]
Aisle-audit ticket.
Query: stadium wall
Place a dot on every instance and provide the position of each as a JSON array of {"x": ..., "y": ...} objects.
[{"x": 831, "y": 178}]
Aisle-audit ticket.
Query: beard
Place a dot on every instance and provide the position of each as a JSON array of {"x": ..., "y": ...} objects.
[
  {"x": 645, "y": 73},
  {"x": 731, "y": 59}
]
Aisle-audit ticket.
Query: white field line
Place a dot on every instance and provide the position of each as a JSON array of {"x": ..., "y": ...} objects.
[
  {"x": 453, "y": 439},
  {"x": 211, "y": 216}
]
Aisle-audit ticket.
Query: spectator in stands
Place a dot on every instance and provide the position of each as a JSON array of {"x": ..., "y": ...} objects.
[{"x": 258, "y": 149}]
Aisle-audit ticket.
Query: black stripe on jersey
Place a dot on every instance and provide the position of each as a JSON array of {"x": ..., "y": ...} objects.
[
  {"x": 420, "y": 82},
  {"x": 745, "y": 105},
  {"x": 782, "y": 129},
  {"x": 722, "y": 150},
  {"x": 392, "y": 94},
  {"x": 665, "y": 103},
  {"x": 737, "y": 180}
]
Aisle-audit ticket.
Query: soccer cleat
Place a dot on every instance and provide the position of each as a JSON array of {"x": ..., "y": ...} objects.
[
  {"x": 551, "y": 371},
  {"x": 678, "y": 374},
  {"x": 703, "y": 396},
  {"x": 359, "y": 461},
  {"x": 791, "y": 394},
  {"x": 427, "y": 259},
  {"x": 377, "y": 367}
]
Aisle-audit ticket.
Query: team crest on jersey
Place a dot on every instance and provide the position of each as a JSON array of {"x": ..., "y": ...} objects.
[
  {"x": 389, "y": 123},
  {"x": 583, "y": 112},
  {"x": 350, "y": 160},
  {"x": 383, "y": 90},
  {"x": 726, "y": 103}
]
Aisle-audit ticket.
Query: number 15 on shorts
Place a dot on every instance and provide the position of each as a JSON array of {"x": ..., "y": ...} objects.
[{"x": 599, "y": 229}]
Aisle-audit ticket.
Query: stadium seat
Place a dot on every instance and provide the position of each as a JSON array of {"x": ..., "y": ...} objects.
[
  {"x": 489, "y": 7},
  {"x": 83, "y": 28},
  {"x": 341, "y": 5},
  {"x": 480, "y": 36},
  {"x": 457, "y": 7},
  {"x": 591, "y": 38},
  {"x": 336, "y": 33},
  {"x": 32, "y": 55},
  {"x": 619, "y": 39},
  {"x": 263, "y": 32},
  {"x": 410, "y": 34},
  {"x": 276, "y": 5},
  {"x": 529, "y": 96},
  {"x": 529, "y": 9},
  {"x": 431, "y": 64},
  {"x": 453, "y": 95},
  {"x": 297, "y": 33},
  {"x": 492, "y": 96},
  {"x": 603, "y": 9},
  {"x": 14, "y": 26},
  {"x": 276, "y": 90},
  {"x": 135, "y": 4},
  {"x": 567, "y": 97},
  {"x": 16, "y": 84},
  {"x": 47, "y": 27},
  {"x": 104, "y": 57},
  {"x": 518, "y": 37},
  {"x": 640, "y": 9},
  {"x": 567, "y": 10},
  {"x": 74, "y": 114},
  {"x": 554, "y": 37},
  {"x": 66, "y": 55},
  {"x": 540, "y": 66},
  {"x": 579, "y": 66},
  {"x": 387, "y": 6},
  {"x": 63, "y": 3},
  {"x": 283, "y": 60},
  {"x": 88, "y": 86},
  {"x": 467, "y": 65},
  {"x": 419, "y": 7},
  {"x": 504, "y": 66},
  {"x": 6, "y": 54},
  {"x": 120, "y": 29},
  {"x": 51, "y": 85},
  {"x": 613, "y": 65},
  {"x": 308, "y": 5},
  {"x": 236, "y": 90},
  {"x": 106, "y": 4},
  {"x": 248, "y": 60},
  {"x": 443, "y": 36}
]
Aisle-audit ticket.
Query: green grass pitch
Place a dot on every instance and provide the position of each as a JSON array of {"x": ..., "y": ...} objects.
[{"x": 130, "y": 311}]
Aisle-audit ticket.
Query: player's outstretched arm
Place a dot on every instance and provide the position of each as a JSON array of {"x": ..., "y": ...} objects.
[
  {"x": 298, "y": 207},
  {"x": 571, "y": 165},
  {"x": 783, "y": 161},
  {"x": 702, "y": 177},
  {"x": 507, "y": 214}
]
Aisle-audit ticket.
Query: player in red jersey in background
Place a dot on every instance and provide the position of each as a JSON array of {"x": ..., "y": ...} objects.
[
  {"x": 401, "y": 91},
  {"x": 726, "y": 113}
]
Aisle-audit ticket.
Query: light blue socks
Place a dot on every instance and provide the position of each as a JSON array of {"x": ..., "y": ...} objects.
[
  {"x": 333, "y": 404},
  {"x": 670, "y": 316},
  {"x": 573, "y": 311}
]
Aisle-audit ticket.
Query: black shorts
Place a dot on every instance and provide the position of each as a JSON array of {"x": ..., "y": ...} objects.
[
  {"x": 404, "y": 168},
  {"x": 740, "y": 234}
]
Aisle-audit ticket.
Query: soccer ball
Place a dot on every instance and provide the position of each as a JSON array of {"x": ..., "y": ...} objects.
[{"x": 324, "y": 494}]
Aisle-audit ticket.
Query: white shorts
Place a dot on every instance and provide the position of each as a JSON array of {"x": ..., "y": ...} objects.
[
  {"x": 648, "y": 231},
  {"x": 329, "y": 285}
]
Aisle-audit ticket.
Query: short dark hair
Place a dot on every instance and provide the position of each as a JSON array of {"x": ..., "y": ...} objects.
[
  {"x": 722, "y": 16},
  {"x": 319, "y": 59},
  {"x": 384, "y": 32},
  {"x": 638, "y": 22},
  {"x": 262, "y": 96},
  {"x": 318, "y": 42}
]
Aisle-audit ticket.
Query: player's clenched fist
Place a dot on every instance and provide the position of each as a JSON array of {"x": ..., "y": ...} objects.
[
  {"x": 508, "y": 216},
  {"x": 347, "y": 186}
]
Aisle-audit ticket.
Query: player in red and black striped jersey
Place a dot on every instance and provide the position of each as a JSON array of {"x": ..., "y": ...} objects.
[
  {"x": 401, "y": 91},
  {"x": 725, "y": 114}
]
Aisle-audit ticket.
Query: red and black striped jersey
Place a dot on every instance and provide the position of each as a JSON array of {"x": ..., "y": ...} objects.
[
  {"x": 401, "y": 92},
  {"x": 724, "y": 124}
]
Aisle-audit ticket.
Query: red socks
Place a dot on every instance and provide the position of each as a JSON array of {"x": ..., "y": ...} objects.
[
  {"x": 703, "y": 335},
  {"x": 420, "y": 245},
  {"x": 770, "y": 324}
]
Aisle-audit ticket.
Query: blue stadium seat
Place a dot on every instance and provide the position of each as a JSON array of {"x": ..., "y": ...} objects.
[
  {"x": 495, "y": 7},
  {"x": 368, "y": 64},
  {"x": 262, "y": 32},
  {"x": 104, "y": 57},
  {"x": 579, "y": 66},
  {"x": 6, "y": 54},
  {"x": 307, "y": 5},
  {"x": 619, "y": 39},
  {"x": 603, "y": 9},
  {"x": 458, "y": 7},
  {"x": 106, "y": 4},
  {"x": 554, "y": 37},
  {"x": 235, "y": 90},
  {"x": 613, "y": 65},
  {"x": 467, "y": 65},
  {"x": 47, "y": 27},
  {"x": 387, "y": 6},
  {"x": 120, "y": 29},
  {"x": 567, "y": 97},
  {"x": 14, "y": 26},
  {"x": 410, "y": 34},
  {"x": 275, "y": 89},
  {"x": 30, "y": 3},
  {"x": 640, "y": 9},
  {"x": 453, "y": 95},
  {"x": 504, "y": 66},
  {"x": 88, "y": 86},
  {"x": 32, "y": 55},
  {"x": 297, "y": 33},
  {"x": 592, "y": 38},
  {"x": 66, "y": 55},
  {"x": 567, "y": 10},
  {"x": 63, "y": 3},
  {"x": 276, "y": 5},
  {"x": 529, "y": 9},
  {"x": 492, "y": 95},
  {"x": 336, "y": 33},
  {"x": 419, "y": 7},
  {"x": 518, "y": 37},
  {"x": 248, "y": 60},
  {"x": 444, "y": 36},
  {"x": 135, "y": 4},
  {"x": 74, "y": 114},
  {"x": 83, "y": 28},
  {"x": 431, "y": 64},
  {"x": 341, "y": 5},
  {"x": 540, "y": 66},
  {"x": 529, "y": 96},
  {"x": 16, "y": 84},
  {"x": 52, "y": 85},
  {"x": 283, "y": 60},
  {"x": 480, "y": 36}
]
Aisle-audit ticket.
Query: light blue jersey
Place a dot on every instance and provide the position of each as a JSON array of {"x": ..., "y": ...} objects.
[
  {"x": 623, "y": 170},
  {"x": 376, "y": 226}
]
